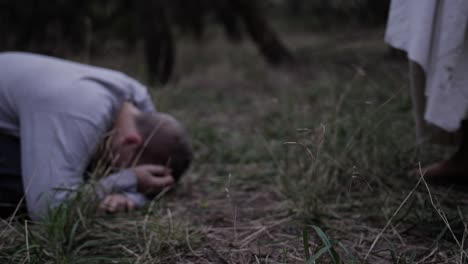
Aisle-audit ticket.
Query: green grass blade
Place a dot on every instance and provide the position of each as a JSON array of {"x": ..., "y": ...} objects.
[
  {"x": 345, "y": 249},
  {"x": 412, "y": 257},
  {"x": 318, "y": 255},
  {"x": 322, "y": 235},
  {"x": 305, "y": 239},
  {"x": 326, "y": 241},
  {"x": 71, "y": 238}
]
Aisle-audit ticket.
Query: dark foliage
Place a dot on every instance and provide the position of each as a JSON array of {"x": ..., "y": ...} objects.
[
  {"x": 51, "y": 26},
  {"x": 325, "y": 13}
]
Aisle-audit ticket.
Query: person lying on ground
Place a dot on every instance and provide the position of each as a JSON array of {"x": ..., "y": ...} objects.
[
  {"x": 434, "y": 34},
  {"x": 53, "y": 116}
]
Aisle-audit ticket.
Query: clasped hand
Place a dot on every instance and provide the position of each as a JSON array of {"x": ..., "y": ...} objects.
[{"x": 151, "y": 179}]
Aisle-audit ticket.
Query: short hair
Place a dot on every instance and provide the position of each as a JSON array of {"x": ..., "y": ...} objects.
[{"x": 165, "y": 142}]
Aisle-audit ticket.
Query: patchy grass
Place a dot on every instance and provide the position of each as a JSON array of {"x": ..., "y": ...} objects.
[{"x": 299, "y": 163}]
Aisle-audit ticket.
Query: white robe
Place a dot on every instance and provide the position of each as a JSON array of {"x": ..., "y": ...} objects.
[{"x": 433, "y": 33}]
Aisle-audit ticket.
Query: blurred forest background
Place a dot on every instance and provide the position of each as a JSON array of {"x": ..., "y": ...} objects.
[{"x": 60, "y": 27}]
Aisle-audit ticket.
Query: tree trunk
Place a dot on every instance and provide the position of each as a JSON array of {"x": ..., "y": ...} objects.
[
  {"x": 264, "y": 37},
  {"x": 158, "y": 40}
]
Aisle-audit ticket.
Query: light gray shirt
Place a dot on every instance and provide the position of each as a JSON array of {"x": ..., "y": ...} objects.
[{"x": 60, "y": 110}]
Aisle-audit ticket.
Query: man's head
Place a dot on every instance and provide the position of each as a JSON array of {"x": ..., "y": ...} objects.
[{"x": 150, "y": 138}]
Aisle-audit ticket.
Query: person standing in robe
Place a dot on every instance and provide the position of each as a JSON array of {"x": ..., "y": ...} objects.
[{"x": 434, "y": 35}]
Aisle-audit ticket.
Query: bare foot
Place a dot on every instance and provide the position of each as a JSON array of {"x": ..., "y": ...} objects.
[{"x": 444, "y": 172}]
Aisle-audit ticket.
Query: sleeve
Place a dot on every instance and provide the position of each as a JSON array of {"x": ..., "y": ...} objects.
[
  {"x": 124, "y": 182},
  {"x": 55, "y": 149},
  {"x": 138, "y": 198}
]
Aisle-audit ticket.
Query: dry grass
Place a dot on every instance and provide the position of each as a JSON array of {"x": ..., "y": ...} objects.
[{"x": 326, "y": 144}]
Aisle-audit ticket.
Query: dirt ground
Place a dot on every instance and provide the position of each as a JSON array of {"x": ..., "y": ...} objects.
[{"x": 237, "y": 198}]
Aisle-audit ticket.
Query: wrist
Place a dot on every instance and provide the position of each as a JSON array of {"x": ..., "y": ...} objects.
[{"x": 125, "y": 180}]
